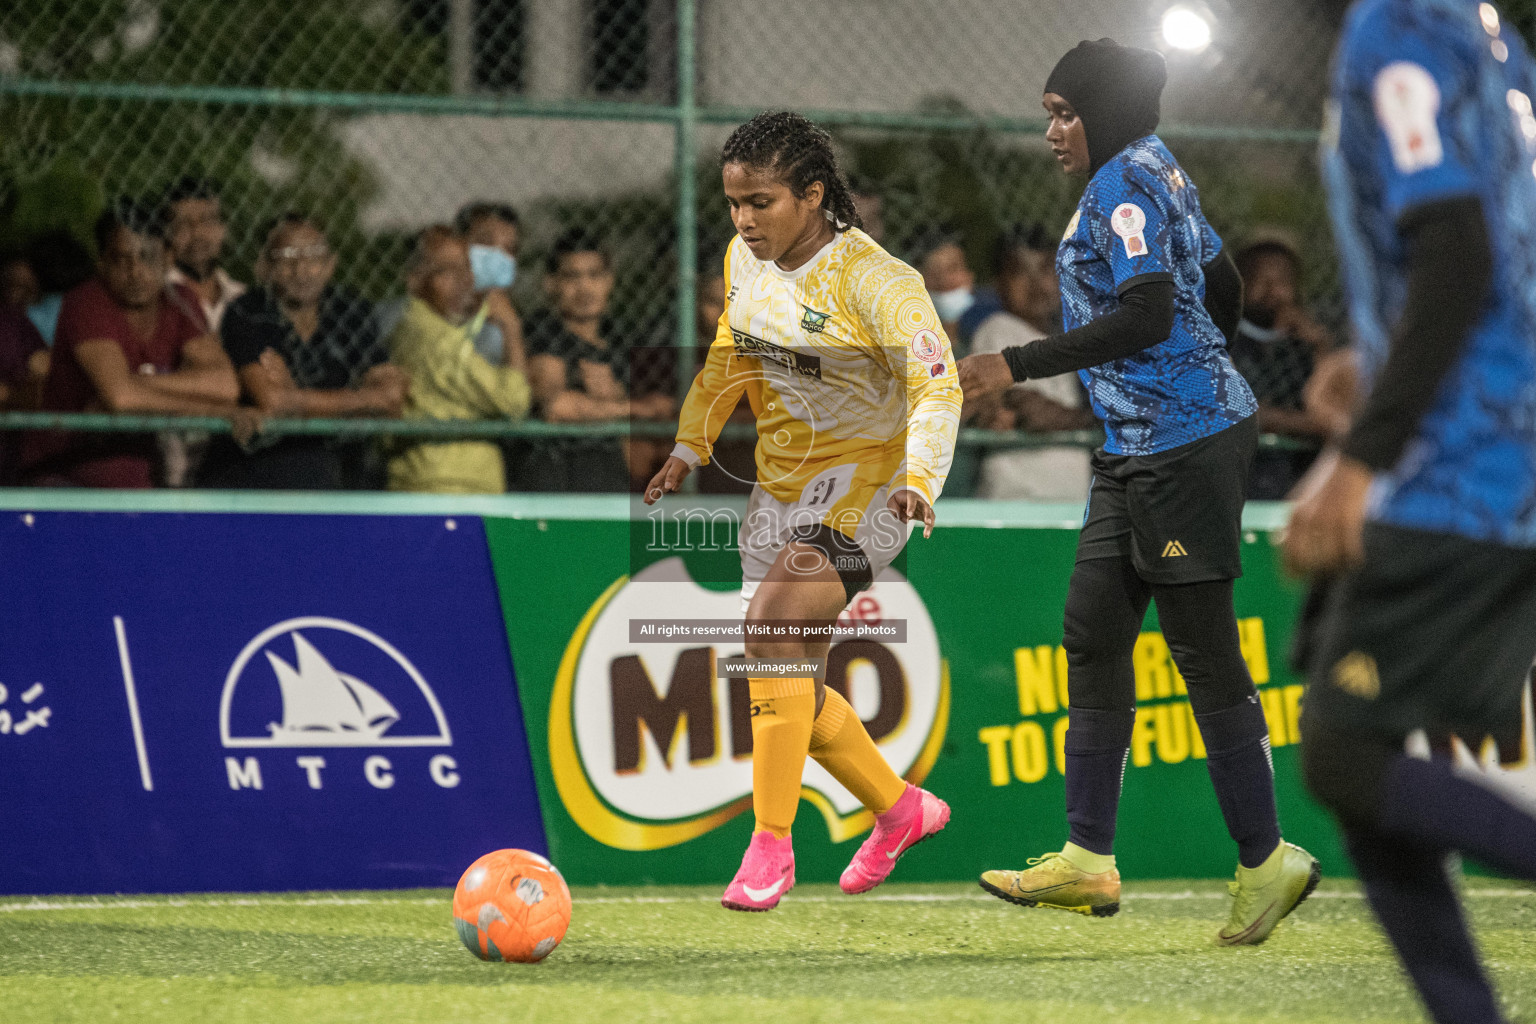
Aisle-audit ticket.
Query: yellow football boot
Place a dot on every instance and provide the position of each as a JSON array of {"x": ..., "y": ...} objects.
[
  {"x": 1265, "y": 894},
  {"x": 1053, "y": 881}
]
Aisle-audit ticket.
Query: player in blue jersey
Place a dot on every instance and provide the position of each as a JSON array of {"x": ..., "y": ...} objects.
[
  {"x": 1425, "y": 515},
  {"x": 1144, "y": 285}
]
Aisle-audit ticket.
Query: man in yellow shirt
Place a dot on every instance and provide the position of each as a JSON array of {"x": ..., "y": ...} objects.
[{"x": 434, "y": 343}]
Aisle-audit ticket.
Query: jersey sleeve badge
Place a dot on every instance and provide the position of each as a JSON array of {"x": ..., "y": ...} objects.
[
  {"x": 1072, "y": 225},
  {"x": 1407, "y": 103},
  {"x": 925, "y": 345},
  {"x": 1130, "y": 223}
]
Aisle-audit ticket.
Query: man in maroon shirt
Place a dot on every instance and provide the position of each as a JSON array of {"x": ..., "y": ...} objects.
[{"x": 126, "y": 343}]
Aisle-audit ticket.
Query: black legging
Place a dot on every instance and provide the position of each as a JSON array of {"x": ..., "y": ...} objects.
[{"x": 1106, "y": 602}]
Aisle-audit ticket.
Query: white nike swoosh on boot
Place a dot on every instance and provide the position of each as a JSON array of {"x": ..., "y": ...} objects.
[
  {"x": 892, "y": 855},
  {"x": 762, "y": 894}
]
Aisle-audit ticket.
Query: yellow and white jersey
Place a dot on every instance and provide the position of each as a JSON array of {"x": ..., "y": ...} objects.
[{"x": 844, "y": 362}]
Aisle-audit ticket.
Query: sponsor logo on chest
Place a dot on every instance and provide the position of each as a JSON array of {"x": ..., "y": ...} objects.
[{"x": 802, "y": 364}]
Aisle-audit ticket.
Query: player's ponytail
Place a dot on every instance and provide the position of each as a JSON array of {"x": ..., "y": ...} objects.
[{"x": 800, "y": 153}]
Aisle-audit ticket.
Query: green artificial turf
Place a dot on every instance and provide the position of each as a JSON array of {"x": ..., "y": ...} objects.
[{"x": 928, "y": 953}]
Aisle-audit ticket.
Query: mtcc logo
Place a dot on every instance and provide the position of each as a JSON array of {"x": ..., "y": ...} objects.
[{"x": 320, "y": 682}]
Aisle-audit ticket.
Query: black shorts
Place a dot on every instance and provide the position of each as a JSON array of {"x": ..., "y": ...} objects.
[
  {"x": 1177, "y": 515},
  {"x": 1432, "y": 632},
  {"x": 843, "y": 552}
]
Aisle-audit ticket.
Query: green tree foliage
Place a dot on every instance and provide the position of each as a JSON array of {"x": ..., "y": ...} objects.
[{"x": 61, "y": 156}]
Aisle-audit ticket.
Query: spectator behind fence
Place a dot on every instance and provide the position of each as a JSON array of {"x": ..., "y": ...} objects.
[
  {"x": 732, "y": 467},
  {"x": 194, "y": 234},
  {"x": 580, "y": 371},
  {"x": 433, "y": 342},
  {"x": 61, "y": 263},
  {"x": 494, "y": 234},
  {"x": 952, "y": 285},
  {"x": 301, "y": 348},
  {"x": 127, "y": 343},
  {"x": 1026, "y": 285},
  {"x": 1276, "y": 349},
  {"x": 23, "y": 365},
  {"x": 870, "y": 206},
  {"x": 19, "y": 286}
]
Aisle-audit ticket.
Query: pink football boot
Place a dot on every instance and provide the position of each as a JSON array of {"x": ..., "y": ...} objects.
[
  {"x": 767, "y": 872},
  {"x": 916, "y": 816}
]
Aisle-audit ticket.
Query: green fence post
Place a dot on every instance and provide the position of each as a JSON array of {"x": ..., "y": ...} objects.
[{"x": 687, "y": 198}]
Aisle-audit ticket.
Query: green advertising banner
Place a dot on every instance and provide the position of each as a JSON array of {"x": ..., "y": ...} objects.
[{"x": 642, "y": 754}]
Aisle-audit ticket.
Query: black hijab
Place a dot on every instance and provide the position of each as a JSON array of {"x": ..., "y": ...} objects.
[{"x": 1116, "y": 90}]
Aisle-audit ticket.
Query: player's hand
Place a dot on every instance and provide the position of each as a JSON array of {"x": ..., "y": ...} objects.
[
  {"x": 908, "y": 505},
  {"x": 984, "y": 375},
  {"x": 669, "y": 477},
  {"x": 1333, "y": 392},
  {"x": 1325, "y": 534}
]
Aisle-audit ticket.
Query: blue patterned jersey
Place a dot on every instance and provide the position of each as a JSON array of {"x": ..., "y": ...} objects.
[
  {"x": 1432, "y": 99},
  {"x": 1140, "y": 222}
]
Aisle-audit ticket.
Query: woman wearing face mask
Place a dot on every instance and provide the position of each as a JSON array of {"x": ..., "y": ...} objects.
[
  {"x": 841, "y": 355},
  {"x": 1148, "y": 300}
]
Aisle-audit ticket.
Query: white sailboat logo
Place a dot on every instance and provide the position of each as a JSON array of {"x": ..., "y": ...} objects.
[
  {"x": 317, "y": 698},
  {"x": 323, "y": 706}
]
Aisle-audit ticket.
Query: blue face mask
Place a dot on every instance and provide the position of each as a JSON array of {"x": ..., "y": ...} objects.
[
  {"x": 492, "y": 266},
  {"x": 952, "y": 305}
]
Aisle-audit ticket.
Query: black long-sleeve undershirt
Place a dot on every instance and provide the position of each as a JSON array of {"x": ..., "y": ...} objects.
[
  {"x": 1144, "y": 318},
  {"x": 1224, "y": 294},
  {"x": 1450, "y": 274}
]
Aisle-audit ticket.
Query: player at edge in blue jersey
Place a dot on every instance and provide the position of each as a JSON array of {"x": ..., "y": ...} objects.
[
  {"x": 1423, "y": 520},
  {"x": 1149, "y": 300}
]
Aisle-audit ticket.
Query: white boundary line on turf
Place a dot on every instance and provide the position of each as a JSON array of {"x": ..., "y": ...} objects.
[
  {"x": 329, "y": 901},
  {"x": 365, "y": 901}
]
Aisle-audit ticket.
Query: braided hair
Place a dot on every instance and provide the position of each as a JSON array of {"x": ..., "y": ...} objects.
[{"x": 799, "y": 153}]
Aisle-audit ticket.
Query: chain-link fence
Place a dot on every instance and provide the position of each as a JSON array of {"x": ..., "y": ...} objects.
[{"x": 379, "y": 117}]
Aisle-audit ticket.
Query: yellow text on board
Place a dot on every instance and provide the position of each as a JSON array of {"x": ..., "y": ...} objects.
[{"x": 1165, "y": 729}]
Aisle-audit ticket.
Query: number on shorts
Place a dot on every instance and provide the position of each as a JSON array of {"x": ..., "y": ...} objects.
[{"x": 821, "y": 492}]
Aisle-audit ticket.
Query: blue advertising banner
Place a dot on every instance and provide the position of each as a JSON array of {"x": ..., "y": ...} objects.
[{"x": 254, "y": 702}]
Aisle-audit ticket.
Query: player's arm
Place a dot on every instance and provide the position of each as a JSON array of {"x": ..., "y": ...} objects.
[
  {"x": 917, "y": 352},
  {"x": 1224, "y": 294},
  {"x": 1133, "y": 236},
  {"x": 1450, "y": 274},
  {"x": 1433, "y": 195},
  {"x": 712, "y": 399},
  {"x": 1143, "y": 318}
]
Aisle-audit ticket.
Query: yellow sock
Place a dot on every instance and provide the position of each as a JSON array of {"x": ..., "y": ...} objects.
[
  {"x": 841, "y": 745},
  {"x": 782, "y": 711}
]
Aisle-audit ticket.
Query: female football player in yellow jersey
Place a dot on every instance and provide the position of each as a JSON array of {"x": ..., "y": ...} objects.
[{"x": 840, "y": 353}]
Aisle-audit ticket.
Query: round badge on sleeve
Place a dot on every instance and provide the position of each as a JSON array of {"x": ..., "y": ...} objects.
[
  {"x": 1128, "y": 220},
  {"x": 925, "y": 345}
]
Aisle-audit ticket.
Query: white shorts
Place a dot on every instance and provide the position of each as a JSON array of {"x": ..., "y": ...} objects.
[{"x": 859, "y": 504}]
